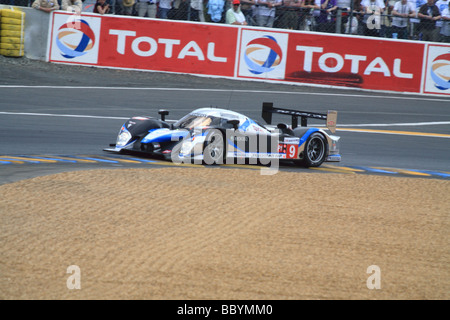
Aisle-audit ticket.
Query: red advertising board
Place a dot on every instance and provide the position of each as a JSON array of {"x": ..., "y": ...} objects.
[
  {"x": 250, "y": 53},
  {"x": 144, "y": 44},
  {"x": 357, "y": 62},
  {"x": 152, "y": 44},
  {"x": 367, "y": 63}
]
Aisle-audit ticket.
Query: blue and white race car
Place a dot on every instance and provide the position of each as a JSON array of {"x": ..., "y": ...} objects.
[{"x": 217, "y": 136}]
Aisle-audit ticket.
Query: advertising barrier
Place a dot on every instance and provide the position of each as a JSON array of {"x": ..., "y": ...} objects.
[{"x": 250, "y": 53}]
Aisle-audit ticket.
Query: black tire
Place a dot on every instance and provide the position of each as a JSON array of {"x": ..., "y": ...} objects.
[
  {"x": 315, "y": 152},
  {"x": 214, "y": 147}
]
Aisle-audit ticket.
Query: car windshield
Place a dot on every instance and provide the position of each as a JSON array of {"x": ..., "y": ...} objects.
[
  {"x": 217, "y": 117},
  {"x": 194, "y": 120}
]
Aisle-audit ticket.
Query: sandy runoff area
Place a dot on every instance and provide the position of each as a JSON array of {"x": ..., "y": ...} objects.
[{"x": 215, "y": 233}]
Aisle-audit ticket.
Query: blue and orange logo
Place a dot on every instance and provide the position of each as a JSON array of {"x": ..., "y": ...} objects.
[
  {"x": 274, "y": 57},
  {"x": 440, "y": 71},
  {"x": 79, "y": 30}
]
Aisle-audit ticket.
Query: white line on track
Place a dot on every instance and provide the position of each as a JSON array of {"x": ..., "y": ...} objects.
[
  {"x": 62, "y": 115},
  {"x": 229, "y": 90},
  {"x": 125, "y": 118},
  {"x": 395, "y": 124},
  {"x": 348, "y": 125}
]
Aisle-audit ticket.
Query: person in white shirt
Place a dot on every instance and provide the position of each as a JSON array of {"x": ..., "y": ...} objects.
[
  {"x": 403, "y": 10},
  {"x": 372, "y": 16},
  {"x": 445, "y": 29},
  {"x": 441, "y": 4},
  {"x": 234, "y": 14}
]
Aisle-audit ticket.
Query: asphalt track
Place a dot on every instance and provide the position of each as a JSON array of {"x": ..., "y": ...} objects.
[{"x": 56, "y": 118}]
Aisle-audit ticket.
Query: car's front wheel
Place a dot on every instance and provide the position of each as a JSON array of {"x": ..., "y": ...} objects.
[
  {"x": 214, "y": 147},
  {"x": 315, "y": 151}
]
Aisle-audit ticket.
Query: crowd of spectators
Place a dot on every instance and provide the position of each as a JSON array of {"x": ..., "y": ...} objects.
[{"x": 426, "y": 20}]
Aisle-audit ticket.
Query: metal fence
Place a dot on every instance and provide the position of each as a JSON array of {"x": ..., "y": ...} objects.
[
  {"x": 350, "y": 22},
  {"x": 342, "y": 21},
  {"x": 20, "y": 3}
]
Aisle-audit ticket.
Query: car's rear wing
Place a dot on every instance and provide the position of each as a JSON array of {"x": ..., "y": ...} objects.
[{"x": 330, "y": 117}]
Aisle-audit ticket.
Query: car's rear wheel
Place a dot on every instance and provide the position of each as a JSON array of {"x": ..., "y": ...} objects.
[
  {"x": 214, "y": 147},
  {"x": 315, "y": 151}
]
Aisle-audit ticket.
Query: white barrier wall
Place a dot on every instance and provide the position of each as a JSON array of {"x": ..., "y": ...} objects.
[
  {"x": 36, "y": 32},
  {"x": 249, "y": 53}
]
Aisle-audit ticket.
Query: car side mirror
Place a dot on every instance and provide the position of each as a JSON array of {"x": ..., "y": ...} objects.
[
  {"x": 163, "y": 114},
  {"x": 234, "y": 123}
]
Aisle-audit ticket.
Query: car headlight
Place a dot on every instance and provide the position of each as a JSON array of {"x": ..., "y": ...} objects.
[
  {"x": 186, "y": 148},
  {"x": 334, "y": 147},
  {"x": 123, "y": 138}
]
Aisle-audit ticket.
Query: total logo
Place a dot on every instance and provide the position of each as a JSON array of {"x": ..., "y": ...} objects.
[
  {"x": 83, "y": 39},
  {"x": 263, "y": 54},
  {"x": 272, "y": 59},
  {"x": 437, "y": 77},
  {"x": 75, "y": 39},
  {"x": 440, "y": 71}
]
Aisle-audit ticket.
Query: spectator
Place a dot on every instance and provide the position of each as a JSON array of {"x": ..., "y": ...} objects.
[
  {"x": 234, "y": 15},
  {"x": 355, "y": 15},
  {"x": 196, "y": 9},
  {"x": 358, "y": 13},
  {"x": 101, "y": 7},
  {"x": 72, "y": 5},
  {"x": 418, "y": 3},
  {"x": 308, "y": 15},
  {"x": 414, "y": 22},
  {"x": 445, "y": 29},
  {"x": 45, "y": 5},
  {"x": 215, "y": 9},
  {"x": 164, "y": 8},
  {"x": 372, "y": 16},
  {"x": 441, "y": 4},
  {"x": 127, "y": 7},
  {"x": 327, "y": 17},
  {"x": 201, "y": 12},
  {"x": 146, "y": 8},
  {"x": 428, "y": 15},
  {"x": 344, "y": 6},
  {"x": 290, "y": 16},
  {"x": 386, "y": 21},
  {"x": 403, "y": 10},
  {"x": 265, "y": 16},
  {"x": 247, "y": 7}
]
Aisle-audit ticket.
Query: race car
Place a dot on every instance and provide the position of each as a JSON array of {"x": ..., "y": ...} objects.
[{"x": 216, "y": 136}]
